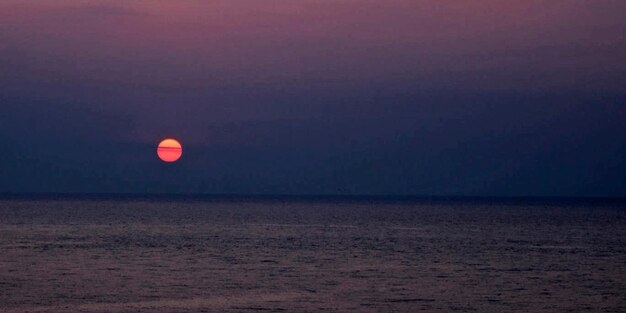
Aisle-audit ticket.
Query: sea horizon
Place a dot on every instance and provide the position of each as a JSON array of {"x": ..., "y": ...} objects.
[
  {"x": 305, "y": 156},
  {"x": 582, "y": 200}
]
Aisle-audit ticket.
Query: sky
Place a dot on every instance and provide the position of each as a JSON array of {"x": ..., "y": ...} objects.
[{"x": 351, "y": 97}]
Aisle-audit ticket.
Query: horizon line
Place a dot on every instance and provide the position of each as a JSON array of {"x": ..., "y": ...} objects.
[{"x": 259, "y": 196}]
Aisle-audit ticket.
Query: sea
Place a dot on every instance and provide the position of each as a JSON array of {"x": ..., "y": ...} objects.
[{"x": 111, "y": 253}]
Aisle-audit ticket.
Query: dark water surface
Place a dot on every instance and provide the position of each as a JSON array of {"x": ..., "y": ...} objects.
[{"x": 298, "y": 255}]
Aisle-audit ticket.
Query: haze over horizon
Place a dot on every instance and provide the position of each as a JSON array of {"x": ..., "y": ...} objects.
[{"x": 398, "y": 97}]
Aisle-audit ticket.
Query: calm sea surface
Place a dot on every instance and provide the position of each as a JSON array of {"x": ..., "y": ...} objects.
[{"x": 311, "y": 255}]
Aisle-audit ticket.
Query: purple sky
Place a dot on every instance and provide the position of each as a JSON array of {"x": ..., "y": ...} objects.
[{"x": 478, "y": 97}]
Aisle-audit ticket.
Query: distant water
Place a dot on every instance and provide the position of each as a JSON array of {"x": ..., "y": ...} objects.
[{"x": 311, "y": 255}]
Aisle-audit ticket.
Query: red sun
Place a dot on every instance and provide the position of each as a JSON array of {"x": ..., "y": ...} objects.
[{"x": 170, "y": 150}]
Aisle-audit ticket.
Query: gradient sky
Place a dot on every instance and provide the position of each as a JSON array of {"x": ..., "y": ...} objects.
[{"x": 412, "y": 97}]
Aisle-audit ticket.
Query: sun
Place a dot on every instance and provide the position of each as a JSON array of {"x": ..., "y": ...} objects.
[{"x": 170, "y": 150}]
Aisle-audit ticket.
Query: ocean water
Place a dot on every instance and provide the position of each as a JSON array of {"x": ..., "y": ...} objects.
[{"x": 311, "y": 255}]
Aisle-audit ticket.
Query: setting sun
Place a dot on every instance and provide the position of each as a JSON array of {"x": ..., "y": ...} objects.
[{"x": 170, "y": 150}]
